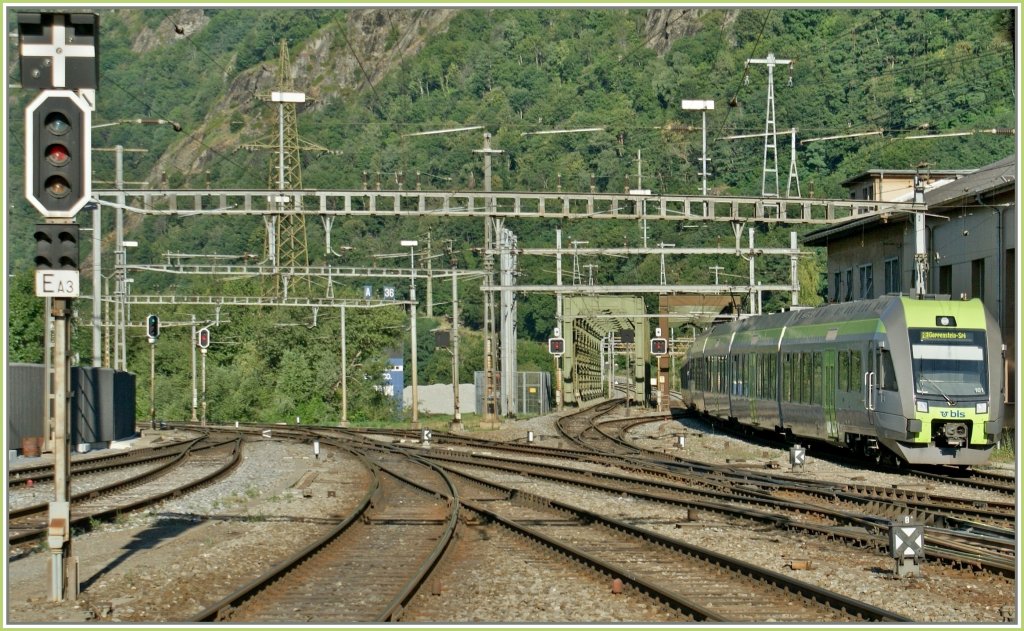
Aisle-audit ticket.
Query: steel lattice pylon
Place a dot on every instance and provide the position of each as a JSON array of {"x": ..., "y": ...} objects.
[
  {"x": 287, "y": 248},
  {"x": 291, "y": 227}
]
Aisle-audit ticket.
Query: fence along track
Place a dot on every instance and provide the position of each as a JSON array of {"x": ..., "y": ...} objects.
[{"x": 365, "y": 570}]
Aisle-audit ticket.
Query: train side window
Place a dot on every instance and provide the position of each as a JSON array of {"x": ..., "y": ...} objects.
[
  {"x": 766, "y": 384},
  {"x": 856, "y": 372},
  {"x": 816, "y": 379},
  {"x": 888, "y": 376},
  {"x": 793, "y": 379},
  {"x": 785, "y": 377},
  {"x": 756, "y": 374},
  {"x": 797, "y": 377},
  {"x": 764, "y": 369},
  {"x": 804, "y": 377},
  {"x": 844, "y": 371}
]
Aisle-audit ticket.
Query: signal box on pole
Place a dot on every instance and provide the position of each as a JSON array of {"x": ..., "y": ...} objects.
[{"x": 58, "y": 145}]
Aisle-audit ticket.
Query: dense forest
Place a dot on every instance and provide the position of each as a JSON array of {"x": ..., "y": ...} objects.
[{"x": 376, "y": 77}]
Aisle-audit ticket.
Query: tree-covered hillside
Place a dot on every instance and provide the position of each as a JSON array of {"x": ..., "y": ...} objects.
[{"x": 376, "y": 76}]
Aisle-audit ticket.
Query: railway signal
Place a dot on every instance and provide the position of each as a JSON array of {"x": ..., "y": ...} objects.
[
  {"x": 57, "y": 252},
  {"x": 58, "y": 55},
  {"x": 204, "y": 338},
  {"x": 152, "y": 327},
  {"x": 59, "y": 50},
  {"x": 556, "y": 346},
  {"x": 659, "y": 346},
  {"x": 906, "y": 546},
  {"x": 797, "y": 456},
  {"x": 58, "y": 171}
]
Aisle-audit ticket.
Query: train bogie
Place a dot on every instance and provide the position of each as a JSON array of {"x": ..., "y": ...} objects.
[{"x": 893, "y": 377}]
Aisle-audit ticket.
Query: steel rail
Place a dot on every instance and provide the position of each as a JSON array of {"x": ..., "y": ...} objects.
[
  {"x": 38, "y": 473},
  {"x": 84, "y": 521},
  {"x": 223, "y": 608},
  {"x": 836, "y": 601}
]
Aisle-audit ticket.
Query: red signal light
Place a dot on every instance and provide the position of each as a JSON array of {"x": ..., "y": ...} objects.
[{"x": 57, "y": 155}]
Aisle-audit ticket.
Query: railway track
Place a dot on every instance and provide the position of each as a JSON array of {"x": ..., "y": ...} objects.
[
  {"x": 94, "y": 477},
  {"x": 990, "y": 550},
  {"x": 367, "y": 568},
  {"x": 978, "y": 535},
  {"x": 974, "y": 479},
  {"x": 202, "y": 463},
  {"x": 700, "y": 584},
  {"x": 960, "y": 533},
  {"x": 21, "y": 476}
]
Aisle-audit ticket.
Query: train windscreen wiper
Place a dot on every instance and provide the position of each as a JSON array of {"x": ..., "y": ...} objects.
[{"x": 944, "y": 395}]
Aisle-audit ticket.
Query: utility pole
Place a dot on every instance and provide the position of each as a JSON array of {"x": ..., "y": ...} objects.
[
  {"x": 509, "y": 382},
  {"x": 344, "y": 379},
  {"x": 203, "y": 343},
  {"x": 559, "y": 395},
  {"x": 702, "y": 106},
  {"x": 430, "y": 280},
  {"x": 456, "y": 424},
  {"x": 641, "y": 191},
  {"x": 490, "y": 399},
  {"x": 411, "y": 244},
  {"x": 663, "y": 275},
  {"x": 770, "y": 144},
  {"x": 793, "y": 175},
  {"x": 195, "y": 393},
  {"x": 120, "y": 361},
  {"x": 921, "y": 240}
]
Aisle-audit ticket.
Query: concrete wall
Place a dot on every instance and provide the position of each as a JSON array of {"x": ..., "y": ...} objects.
[{"x": 438, "y": 399}]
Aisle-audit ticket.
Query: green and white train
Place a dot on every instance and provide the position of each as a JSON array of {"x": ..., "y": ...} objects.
[{"x": 891, "y": 378}]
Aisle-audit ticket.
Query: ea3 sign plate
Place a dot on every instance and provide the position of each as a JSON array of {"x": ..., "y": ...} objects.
[{"x": 51, "y": 283}]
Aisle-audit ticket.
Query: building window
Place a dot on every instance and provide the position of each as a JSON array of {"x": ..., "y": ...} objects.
[
  {"x": 892, "y": 276},
  {"x": 867, "y": 282},
  {"x": 837, "y": 282},
  {"x": 946, "y": 279},
  {"x": 978, "y": 279}
]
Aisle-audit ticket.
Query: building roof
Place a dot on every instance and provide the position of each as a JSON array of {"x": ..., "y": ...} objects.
[
  {"x": 931, "y": 173},
  {"x": 991, "y": 178}
]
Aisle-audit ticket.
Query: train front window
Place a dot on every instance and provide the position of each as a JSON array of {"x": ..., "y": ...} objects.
[{"x": 949, "y": 363}]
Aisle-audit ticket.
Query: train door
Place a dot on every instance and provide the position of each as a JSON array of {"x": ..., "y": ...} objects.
[
  {"x": 829, "y": 394},
  {"x": 870, "y": 384},
  {"x": 881, "y": 395},
  {"x": 887, "y": 399}
]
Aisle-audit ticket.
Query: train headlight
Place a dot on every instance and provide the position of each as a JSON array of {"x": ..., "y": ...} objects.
[
  {"x": 981, "y": 408},
  {"x": 922, "y": 406}
]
